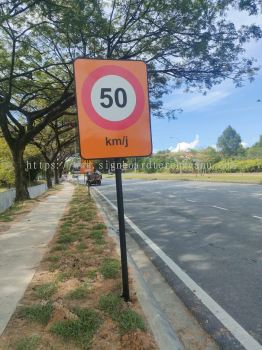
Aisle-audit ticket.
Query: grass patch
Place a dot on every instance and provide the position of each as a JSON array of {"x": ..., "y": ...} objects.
[
  {"x": 91, "y": 274},
  {"x": 45, "y": 291},
  {"x": 99, "y": 226},
  {"x": 78, "y": 293},
  {"x": 81, "y": 246},
  {"x": 63, "y": 276},
  {"x": 97, "y": 236},
  {"x": 111, "y": 304},
  {"x": 110, "y": 268},
  {"x": 28, "y": 343},
  {"x": 82, "y": 330},
  {"x": 38, "y": 313},
  {"x": 53, "y": 258},
  {"x": 67, "y": 238},
  {"x": 53, "y": 267},
  {"x": 59, "y": 247},
  {"x": 128, "y": 320}
]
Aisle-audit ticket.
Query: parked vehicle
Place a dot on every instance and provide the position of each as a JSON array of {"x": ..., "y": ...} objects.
[{"x": 93, "y": 178}]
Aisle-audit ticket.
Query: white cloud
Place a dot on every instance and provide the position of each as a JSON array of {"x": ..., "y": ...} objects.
[
  {"x": 244, "y": 144},
  {"x": 190, "y": 102},
  {"x": 185, "y": 146},
  {"x": 201, "y": 101}
]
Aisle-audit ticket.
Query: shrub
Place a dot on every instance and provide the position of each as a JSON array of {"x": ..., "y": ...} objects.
[{"x": 238, "y": 165}]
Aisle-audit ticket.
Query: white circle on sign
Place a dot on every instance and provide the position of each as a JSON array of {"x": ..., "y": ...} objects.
[{"x": 113, "y": 98}]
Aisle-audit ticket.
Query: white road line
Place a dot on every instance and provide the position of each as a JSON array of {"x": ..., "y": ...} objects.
[
  {"x": 235, "y": 328},
  {"x": 214, "y": 206},
  {"x": 212, "y": 189},
  {"x": 233, "y": 191},
  {"x": 257, "y": 217},
  {"x": 190, "y": 200}
]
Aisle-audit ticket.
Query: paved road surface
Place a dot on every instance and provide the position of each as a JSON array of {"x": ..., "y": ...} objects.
[{"x": 212, "y": 231}]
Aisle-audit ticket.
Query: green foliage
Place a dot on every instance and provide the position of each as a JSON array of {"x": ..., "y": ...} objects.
[
  {"x": 110, "y": 268},
  {"x": 46, "y": 290},
  {"x": 128, "y": 320},
  {"x": 28, "y": 343},
  {"x": 234, "y": 166},
  {"x": 38, "y": 313},
  {"x": 81, "y": 330},
  {"x": 97, "y": 236},
  {"x": 99, "y": 226},
  {"x": 208, "y": 155},
  {"x": 111, "y": 304},
  {"x": 78, "y": 293},
  {"x": 256, "y": 150},
  {"x": 7, "y": 176},
  {"x": 230, "y": 142},
  {"x": 63, "y": 276}
]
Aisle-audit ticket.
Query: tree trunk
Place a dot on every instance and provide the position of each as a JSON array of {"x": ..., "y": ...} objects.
[
  {"x": 48, "y": 174},
  {"x": 20, "y": 178},
  {"x": 56, "y": 173},
  {"x": 61, "y": 168}
]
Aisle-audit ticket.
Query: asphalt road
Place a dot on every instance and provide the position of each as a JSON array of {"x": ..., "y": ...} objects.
[{"x": 212, "y": 231}]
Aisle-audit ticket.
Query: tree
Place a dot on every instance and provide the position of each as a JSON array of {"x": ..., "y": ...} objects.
[
  {"x": 256, "y": 150},
  {"x": 184, "y": 43},
  {"x": 208, "y": 155},
  {"x": 229, "y": 142},
  {"x": 33, "y": 92},
  {"x": 259, "y": 143},
  {"x": 7, "y": 177},
  {"x": 54, "y": 143}
]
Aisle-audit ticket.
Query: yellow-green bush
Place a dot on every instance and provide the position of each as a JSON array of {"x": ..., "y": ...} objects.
[{"x": 238, "y": 165}]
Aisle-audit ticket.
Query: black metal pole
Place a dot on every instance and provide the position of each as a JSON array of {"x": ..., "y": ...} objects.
[{"x": 122, "y": 230}]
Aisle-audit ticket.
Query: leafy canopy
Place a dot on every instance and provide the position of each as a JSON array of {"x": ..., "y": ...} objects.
[{"x": 230, "y": 142}]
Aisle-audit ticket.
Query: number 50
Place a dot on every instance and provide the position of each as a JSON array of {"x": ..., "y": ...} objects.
[{"x": 106, "y": 94}]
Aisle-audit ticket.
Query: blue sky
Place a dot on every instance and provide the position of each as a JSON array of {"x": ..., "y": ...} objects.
[{"x": 207, "y": 116}]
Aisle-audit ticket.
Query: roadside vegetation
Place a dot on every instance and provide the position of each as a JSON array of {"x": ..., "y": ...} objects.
[
  {"x": 230, "y": 162},
  {"x": 74, "y": 300},
  {"x": 252, "y": 178}
]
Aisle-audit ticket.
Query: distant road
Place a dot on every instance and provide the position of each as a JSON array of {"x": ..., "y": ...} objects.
[{"x": 213, "y": 231}]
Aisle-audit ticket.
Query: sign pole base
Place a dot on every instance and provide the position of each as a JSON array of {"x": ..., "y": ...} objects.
[{"x": 122, "y": 230}]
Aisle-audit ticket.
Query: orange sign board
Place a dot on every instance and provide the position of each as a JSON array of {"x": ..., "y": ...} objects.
[
  {"x": 87, "y": 166},
  {"x": 113, "y": 108}
]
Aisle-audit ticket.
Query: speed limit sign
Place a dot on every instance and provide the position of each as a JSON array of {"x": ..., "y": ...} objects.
[{"x": 113, "y": 108}]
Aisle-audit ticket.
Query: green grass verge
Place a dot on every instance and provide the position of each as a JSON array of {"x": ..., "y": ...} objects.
[
  {"x": 81, "y": 330},
  {"x": 255, "y": 178},
  {"x": 38, "y": 313},
  {"x": 46, "y": 290},
  {"x": 110, "y": 268},
  {"x": 78, "y": 293},
  {"x": 97, "y": 236},
  {"x": 127, "y": 319},
  {"x": 27, "y": 343}
]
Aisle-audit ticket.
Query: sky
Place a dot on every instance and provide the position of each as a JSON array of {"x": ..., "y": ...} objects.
[{"x": 205, "y": 117}]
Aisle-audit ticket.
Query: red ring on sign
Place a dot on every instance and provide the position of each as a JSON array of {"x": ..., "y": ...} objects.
[{"x": 86, "y": 97}]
